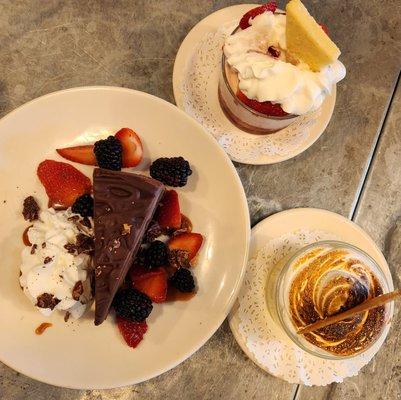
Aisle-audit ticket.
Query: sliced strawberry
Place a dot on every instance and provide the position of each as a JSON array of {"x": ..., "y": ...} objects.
[
  {"x": 325, "y": 29},
  {"x": 266, "y": 107},
  {"x": 79, "y": 154},
  {"x": 153, "y": 283},
  {"x": 63, "y": 182},
  {"x": 188, "y": 241},
  {"x": 132, "y": 147},
  {"x": 132, "y": 331},
  {"x": 244, "y": 23},
  {"x": 168, "y": 215}
]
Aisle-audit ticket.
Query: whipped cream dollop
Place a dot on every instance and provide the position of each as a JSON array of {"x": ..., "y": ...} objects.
[
  {"x": 54, "y": 270},
  {"x": 263, "y": 77}
]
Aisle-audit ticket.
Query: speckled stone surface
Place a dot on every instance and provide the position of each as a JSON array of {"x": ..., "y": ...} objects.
[{"x": 54, "y": 44}]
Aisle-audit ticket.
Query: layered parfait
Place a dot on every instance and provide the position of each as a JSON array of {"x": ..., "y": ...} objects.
[{"x": 277, "y": 66}]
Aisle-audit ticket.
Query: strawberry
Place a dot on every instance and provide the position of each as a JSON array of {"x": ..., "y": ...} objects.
[
  {"x": 79, "y": 154},
  {"x": 63, "y": 182},
  {"x": 325, "y": 29},
  {"x": 244, "y": 23},
  {"x": 188, "y": 241},
  {"x": 266, "y": 107},
  {"x": 132, "y": 147},
  {"x": 132, "y": 331},
  {"x": 168, "y": 214},
  {"x": 153, "y": 283}
]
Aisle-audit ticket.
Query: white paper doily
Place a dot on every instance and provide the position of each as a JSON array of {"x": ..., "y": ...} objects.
[
  {"x": 195, "y": 83},
  {"x": 256, "y": 332}
]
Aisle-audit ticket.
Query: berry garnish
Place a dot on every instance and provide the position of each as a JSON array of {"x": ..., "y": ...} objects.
[
  {"x": 274, "y": 52},
  {"x": 244, "y": 23},
  {"x": 168, "y": 214},
  {"x": 63, "y": 183},
  {"x": 265, "y": 107},
  {"x": 132, "y": 147},
  {"x": 108, "y": 153},
  {"x": 156, "y": 254},
  {"x": 153, "y": 232},
  {"x": 153, "y": 283},
  {"x": 132, "y": 331},
  {"x": 189, "y": 241},
  {"x": 183, "y": 280},
  {"x": 171, "y": 171},
  {"x": 79, "y": 154},
  {"x": 132, "y": 304},
  {"x": 325, "y": 29},
  {"x": 83, "y": 206}
]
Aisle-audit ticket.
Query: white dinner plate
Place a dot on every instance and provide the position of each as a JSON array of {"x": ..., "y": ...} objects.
[{"x": 77, "y": 354}]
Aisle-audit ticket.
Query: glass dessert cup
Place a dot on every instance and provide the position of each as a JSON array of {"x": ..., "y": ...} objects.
[
  {"x": 241, "y": 115},
  {"x": 278, "y": 293}
]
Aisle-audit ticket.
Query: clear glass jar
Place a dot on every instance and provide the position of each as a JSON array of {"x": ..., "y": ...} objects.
[
  {"x": 278, "y": 296},
  {"x": 239, "y": 113}
]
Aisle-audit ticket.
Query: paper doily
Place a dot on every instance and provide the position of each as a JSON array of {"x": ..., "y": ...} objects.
[
  {"x": 195, "y": 79},
  {"x": 266, "y": 342}
]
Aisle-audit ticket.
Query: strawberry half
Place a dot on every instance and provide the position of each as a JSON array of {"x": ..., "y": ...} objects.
[
  {"x": 63, "y": 183},
  {"x": 188, "y": 241},
  {"x": 244, "y": 23},
  {"x": 132, "y": 147},
  {"x": 79, "y": 154},
  {"x": 132, "y": 332},
  {"x": 265, "y": 107},
  {"x": 153, "y": 283},
  {"x": 168, "y": 214}
]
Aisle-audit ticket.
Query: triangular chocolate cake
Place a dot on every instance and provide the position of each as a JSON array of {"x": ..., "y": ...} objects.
[{"x": 124, "y": 206}]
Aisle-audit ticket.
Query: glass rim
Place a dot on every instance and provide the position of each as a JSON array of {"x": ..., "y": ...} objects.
[
  {"x": 319, "y": 352},
  {"x": 257, "y": 113}
]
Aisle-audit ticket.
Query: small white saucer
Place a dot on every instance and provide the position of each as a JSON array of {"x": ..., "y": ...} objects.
[
  {"x": 264, "y": 342},
  {"x": 195, "y": 81}
]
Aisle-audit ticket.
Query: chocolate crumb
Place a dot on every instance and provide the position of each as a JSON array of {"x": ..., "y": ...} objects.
[
  {"x": 33, "y": 248},
  {"x": 31, "y": 209},
  {"x": 85, "y": 244},
  {"x": 67, "y": 316},
  {"x": 77, "y": 291},
  {"x": 179, "y": 258},
  {"x": 74, "y": 218},
  {"x": 86, "y": 222},
  {"x": 47, "y": 300},
  {"x": 43, "y": 245},
  {"x": 70, "y": 247},
  {"x": 47, "y": 260}
]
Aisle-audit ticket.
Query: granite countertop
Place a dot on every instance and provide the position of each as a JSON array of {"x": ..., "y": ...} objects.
[{"x": 353, "y": 169}]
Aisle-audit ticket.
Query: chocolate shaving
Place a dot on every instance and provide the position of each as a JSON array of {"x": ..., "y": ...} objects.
[
  {"x": 31, "y": 209},
  {"x": 74, "y": 218},
  {"x": 179, "y": 259},
  {"x": 153, "y": 232},
  {"x": 67, "y": 316},
  {"x": 71, "y": 248},
  {"x": 47, "y": 260},
  {"x": 47, "y": 300},
  {"x": 43, "y": 245},
  {"x": 77, "y": 291},
  {"x": 86, "y": 222},
  {"x": 83, "y": 244},
  {"x": 33, "y": 248}
]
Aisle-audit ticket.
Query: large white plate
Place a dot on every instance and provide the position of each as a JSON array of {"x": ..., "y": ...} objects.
[{"x": 78, "y": 354}]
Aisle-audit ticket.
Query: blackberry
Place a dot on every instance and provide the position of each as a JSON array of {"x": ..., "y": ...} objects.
[
  {"x": 83, "y": 206},
  {"x": 171, "y": 171},
  {"x": 183, "y": 280},
  {"x": 108, "y": 153},
  {"x": 156, "y": 254},
  {"x": 132, "y": 304}
]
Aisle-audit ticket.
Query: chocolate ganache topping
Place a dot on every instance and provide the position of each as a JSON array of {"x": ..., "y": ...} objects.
[
  {"x": 124, "y": 206},
  {"x": 329, "y": 280}
]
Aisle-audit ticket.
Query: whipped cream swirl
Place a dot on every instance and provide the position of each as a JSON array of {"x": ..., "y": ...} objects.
[
  {"x": 264, "y": 78},
  {"x": 328, "y": 281},
  {"x": 53, "y": 276}
]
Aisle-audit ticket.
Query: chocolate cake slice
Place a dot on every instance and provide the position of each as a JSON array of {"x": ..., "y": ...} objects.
[{"x": 124, "y": 206}]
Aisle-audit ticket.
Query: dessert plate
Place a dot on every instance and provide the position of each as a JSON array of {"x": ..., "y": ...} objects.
[
  {"x": 77, "y": 354},
  {"x": 195, "y": 82},
  {"x": 264, "y": 342}
]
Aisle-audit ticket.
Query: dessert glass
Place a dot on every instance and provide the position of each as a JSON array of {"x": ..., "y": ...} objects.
[
  {"x": 239, "y": 113},
  {"x": 278, "y": 294}
]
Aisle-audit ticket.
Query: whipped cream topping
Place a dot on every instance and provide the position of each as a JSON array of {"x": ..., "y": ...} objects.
[
  {"x": 264, "y": 78},
  {"x": 49, "y": 268},
  {"x": 330, "y": 280}
]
